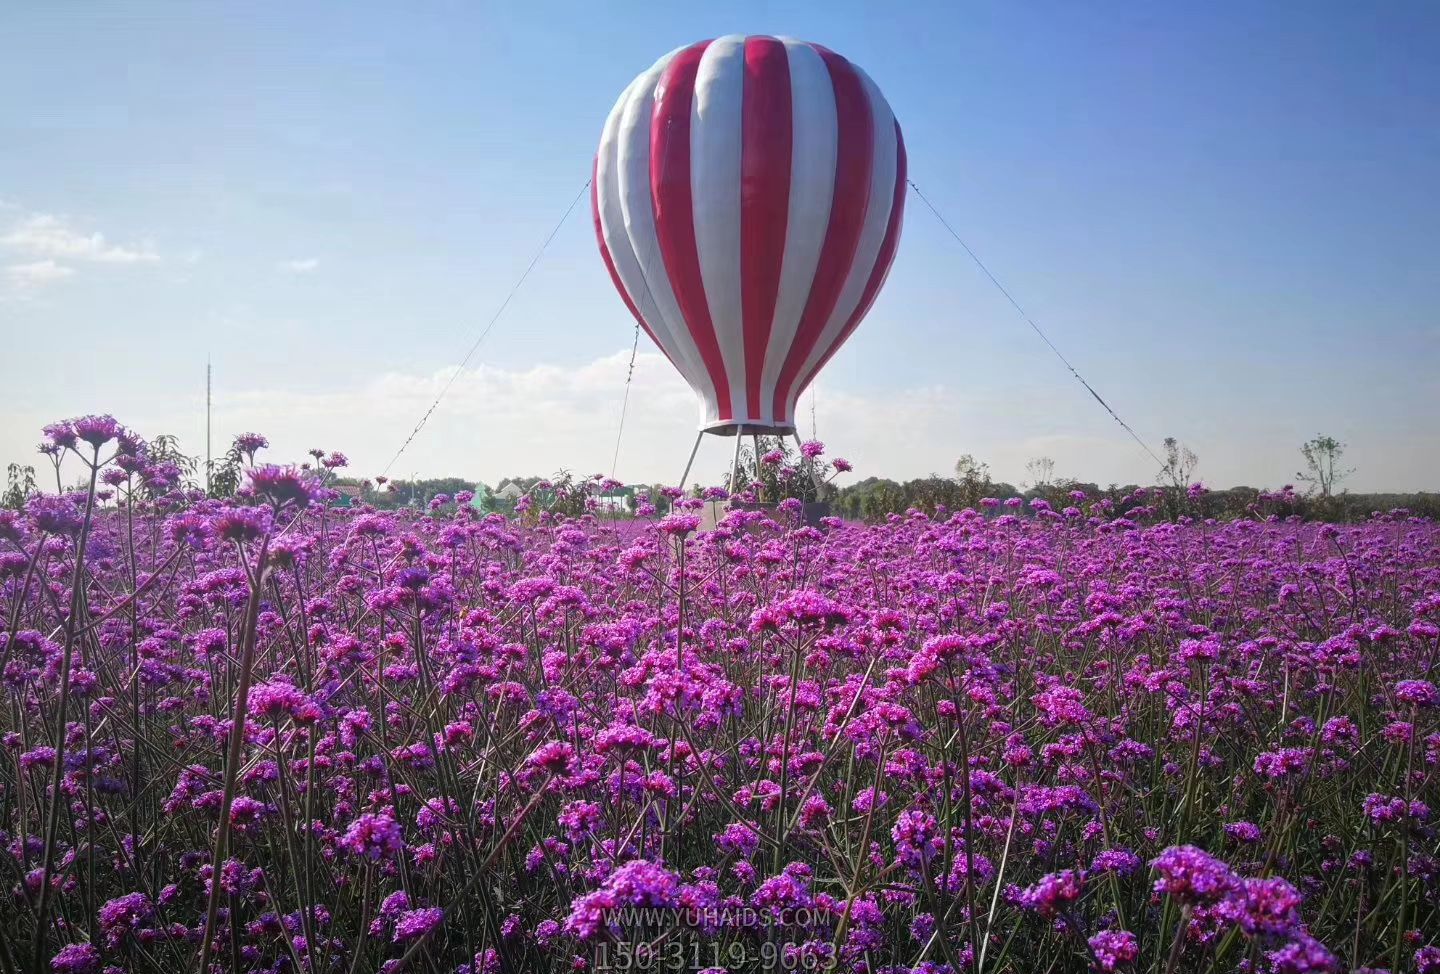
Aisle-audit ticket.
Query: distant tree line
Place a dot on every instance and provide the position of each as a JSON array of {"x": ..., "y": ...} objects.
[
  {"x": 875, "y": 498},
  {"x": 1176, "y": 492}
]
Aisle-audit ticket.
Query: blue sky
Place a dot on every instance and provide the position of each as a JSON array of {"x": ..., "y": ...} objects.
[{"x": 1225, "y": 214}]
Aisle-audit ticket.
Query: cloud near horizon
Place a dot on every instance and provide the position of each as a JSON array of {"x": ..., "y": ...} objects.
[
  {"x": 497, "y": 422},
  {"x": 47, "y": 235}
]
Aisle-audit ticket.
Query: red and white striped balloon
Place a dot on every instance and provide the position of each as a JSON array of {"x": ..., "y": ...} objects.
[{"x": 748, "y": 197}]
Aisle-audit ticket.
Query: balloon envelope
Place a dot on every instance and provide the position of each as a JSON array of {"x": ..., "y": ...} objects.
[{"x": 748, "y": 197}]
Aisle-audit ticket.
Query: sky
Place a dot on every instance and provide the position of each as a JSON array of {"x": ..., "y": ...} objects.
[{"x": 1225, "y": 215}]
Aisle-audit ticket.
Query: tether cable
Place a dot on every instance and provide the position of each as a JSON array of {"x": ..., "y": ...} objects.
[
  {"x": 491, "y": 324},
  {"x": 625, "y": 403},
  {"x": 1031, "y": 322}
]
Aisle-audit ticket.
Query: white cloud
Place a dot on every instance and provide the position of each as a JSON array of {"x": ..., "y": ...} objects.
[
  {"x": 36, "y": 274},
  {"x": 496, "y": 422},
  {"x": 303, "y": 265},
  {"x": 499, "y": 422},
  {"x": 48, "y": 236}
]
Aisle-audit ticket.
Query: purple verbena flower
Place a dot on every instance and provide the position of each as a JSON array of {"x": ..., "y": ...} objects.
[
  {"x": 1193, "y": 876},
  {"x": 1053, "y": 893},
  {"x": 76, "y": 959},
  {"x": 374, "y": 837},
  {"x": 1114, "y": 949},
  {"x": 414, "y": 924}
]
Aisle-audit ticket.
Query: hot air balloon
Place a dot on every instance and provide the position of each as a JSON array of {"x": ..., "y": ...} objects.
[{"x": 748, "y": 197}]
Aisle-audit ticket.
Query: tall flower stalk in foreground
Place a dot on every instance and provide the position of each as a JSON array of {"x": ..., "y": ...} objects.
[
  {"x": 282, "y": 490},
  {"x": 94, "y": 432}
]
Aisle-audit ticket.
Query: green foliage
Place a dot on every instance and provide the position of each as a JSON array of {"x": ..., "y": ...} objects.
[
  {"x": 1177, "y": 475},
  {"x": 968, "y": 468},
  {"x": 874, "y": 498},
  {"x": 1041, "y": 471},
  {"x": 1322, "y": 456},
  {"x": 654, "y": 493},
  {"x": 871, "y": 499},
  {"x": 794, "y": 476},
  {"x": 19, "y": 485},
  {"x": 225, "y": 473},
  {"x": 564, "y": 495},
  {"x": 972, "y": 478},
  {"x": 165, "y": 448}
]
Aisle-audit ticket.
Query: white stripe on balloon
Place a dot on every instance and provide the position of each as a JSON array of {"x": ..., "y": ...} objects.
[
  {"x": 815, "y": 130},
  {"x": 628, "y": 216},
  {"x": 716, "y": 118}
]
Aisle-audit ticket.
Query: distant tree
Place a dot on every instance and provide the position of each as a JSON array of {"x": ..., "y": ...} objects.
[
  {"x": 1180, "y": 464},
  {"x": 1177, "y": 475},
  {"x": 1322, "y": 473},
  {"x": 883, "y": 497},
  {"x": 931, "y": 493},
  {"x": 1042, "y": 472},
  {"x": 655, "y": 494},
  {"x": 869, "y": 499},
  {"x": 19, "y": 485},
  {"x": 968, "y": 468},
  {"x": 973, "y": 479}
]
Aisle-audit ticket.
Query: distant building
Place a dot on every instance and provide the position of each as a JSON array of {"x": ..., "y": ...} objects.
[
  {"x": 621, "y": 500},
  {"x": 350, "y": 495},
  {"x": 509, "y": 491}
]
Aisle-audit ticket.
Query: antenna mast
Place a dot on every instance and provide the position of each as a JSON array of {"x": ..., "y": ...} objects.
[{"x": 208, "y": 462}]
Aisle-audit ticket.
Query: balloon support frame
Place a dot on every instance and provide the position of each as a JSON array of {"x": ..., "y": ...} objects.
[{"x": 740, "y": 431}]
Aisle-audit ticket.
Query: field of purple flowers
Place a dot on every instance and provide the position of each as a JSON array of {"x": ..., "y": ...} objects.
[{"x": 263, "y": 734}]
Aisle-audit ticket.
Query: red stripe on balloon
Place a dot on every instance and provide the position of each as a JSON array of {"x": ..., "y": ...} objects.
[
  {"x": 610, "y": 261},
  {"x": 854, "y": 158},
  {"x": 883, "y": 258},
  {"x": 766, "y": 143},
  {"x": 674, "y": 211}
]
